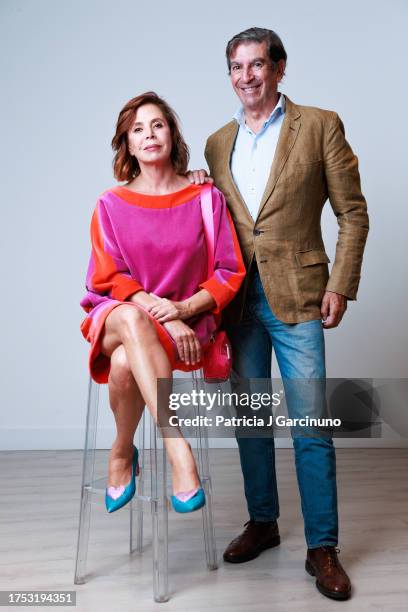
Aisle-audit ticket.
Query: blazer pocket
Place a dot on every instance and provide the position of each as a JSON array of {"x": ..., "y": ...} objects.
[
  {"x": 311, "y": 257},
  {"x": 307, "y": 162},
  {"x": 300, "y": 173}
]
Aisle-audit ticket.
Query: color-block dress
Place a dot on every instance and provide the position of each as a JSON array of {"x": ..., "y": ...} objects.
[{"x": 157, "y": 244}]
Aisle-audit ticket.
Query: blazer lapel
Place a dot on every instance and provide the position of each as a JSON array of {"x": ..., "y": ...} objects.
[{"x": 287, "y": 137}]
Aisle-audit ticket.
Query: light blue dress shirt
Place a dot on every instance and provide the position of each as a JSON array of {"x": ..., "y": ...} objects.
[{"x": 253, "y": 154}]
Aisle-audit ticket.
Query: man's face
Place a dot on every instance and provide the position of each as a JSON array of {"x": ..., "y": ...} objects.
[{"x": 253, "y": 76}]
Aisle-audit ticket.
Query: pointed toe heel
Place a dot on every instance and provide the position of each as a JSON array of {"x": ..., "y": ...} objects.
[
  {"x": 115, "y": 503},
  {"x": 188, "y": 502}
]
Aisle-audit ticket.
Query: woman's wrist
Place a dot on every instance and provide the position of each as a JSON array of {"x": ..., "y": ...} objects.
[
  {"x": 186, "y": 309},
  {"x": 196, "y": 304},
  {"x": 142, "y": 298}
]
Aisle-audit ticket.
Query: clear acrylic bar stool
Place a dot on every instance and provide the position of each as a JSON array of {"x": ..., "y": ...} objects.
[{"x": 151, "y": 490}]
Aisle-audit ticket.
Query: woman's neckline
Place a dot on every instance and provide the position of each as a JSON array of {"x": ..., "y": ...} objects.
[
  {"x": 151, "y": 200},
  {"x": 156, "y": 195}
]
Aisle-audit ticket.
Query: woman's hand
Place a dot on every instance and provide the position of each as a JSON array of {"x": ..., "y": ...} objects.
[
  {"x": 188, "y": 346},
  {"x": 166, "y": 310}
]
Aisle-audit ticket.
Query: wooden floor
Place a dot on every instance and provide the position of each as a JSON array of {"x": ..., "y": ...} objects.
[{"x": 38, "y": 533}]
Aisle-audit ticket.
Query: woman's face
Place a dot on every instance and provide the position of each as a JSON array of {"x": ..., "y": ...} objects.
[{"x": 150, "y": 138}]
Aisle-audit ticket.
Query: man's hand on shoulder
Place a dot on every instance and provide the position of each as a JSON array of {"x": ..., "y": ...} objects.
[
  {"x": 199, "y": 177},
  {"x": 333, "y": 307}
]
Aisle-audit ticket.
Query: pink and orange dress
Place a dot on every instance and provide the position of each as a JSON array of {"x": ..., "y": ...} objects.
[{"x": 157, "y": 244}]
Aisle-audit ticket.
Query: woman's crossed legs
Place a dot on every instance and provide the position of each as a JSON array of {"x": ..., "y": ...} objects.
[{"x": 137, "y": 360}]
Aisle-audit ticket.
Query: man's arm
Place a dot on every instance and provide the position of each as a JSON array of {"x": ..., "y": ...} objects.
[{"x": 350, "y": 208}]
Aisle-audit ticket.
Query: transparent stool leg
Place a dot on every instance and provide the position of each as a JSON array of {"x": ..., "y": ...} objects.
[
  {"x": 88, "y": 465},
  {"x": 159, "y": 515},
  {"x": 136, "y": 505},
  {"x": 204, "y": 472}
]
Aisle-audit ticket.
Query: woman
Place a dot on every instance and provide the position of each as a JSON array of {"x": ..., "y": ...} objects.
[{"x": 151, "y": 308}]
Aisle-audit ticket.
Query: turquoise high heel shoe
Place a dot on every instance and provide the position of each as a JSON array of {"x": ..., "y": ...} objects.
[
  {"x": 188, "y": 502},
  {"x": 114, "y": 503}
]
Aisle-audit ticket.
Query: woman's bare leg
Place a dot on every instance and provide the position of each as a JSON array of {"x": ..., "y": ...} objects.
[
  {"x": 131, "y": 327},
  {"x": 127, "y": 405}
]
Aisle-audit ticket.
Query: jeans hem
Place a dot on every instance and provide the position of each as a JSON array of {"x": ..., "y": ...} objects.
[
  {"x": 262, "y": 519},
  {"x": 312, "y": 546}
]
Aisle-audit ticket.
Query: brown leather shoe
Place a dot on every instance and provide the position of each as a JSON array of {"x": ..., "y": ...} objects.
[
  {"x": 331, "y": 579},
  {"x": 252, "y": 541}
]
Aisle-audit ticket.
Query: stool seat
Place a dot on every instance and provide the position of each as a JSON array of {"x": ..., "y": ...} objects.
[{"x": 151, "y": 493}]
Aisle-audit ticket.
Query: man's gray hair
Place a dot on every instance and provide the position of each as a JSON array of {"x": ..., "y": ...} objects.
[{"x": 276, "y": 50}]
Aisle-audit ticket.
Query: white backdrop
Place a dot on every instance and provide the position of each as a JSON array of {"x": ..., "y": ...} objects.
[{"x": 67, "y": 69}]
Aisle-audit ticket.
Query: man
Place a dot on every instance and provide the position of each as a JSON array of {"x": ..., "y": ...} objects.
[{"x": 277, "y": 163}]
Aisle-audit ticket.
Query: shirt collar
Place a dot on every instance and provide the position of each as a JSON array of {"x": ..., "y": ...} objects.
[{"x": 278, "y": 110}]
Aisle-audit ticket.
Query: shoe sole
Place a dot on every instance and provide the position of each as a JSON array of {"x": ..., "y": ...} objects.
[
  {"x": 274, "y": 542},
  {"x": 322, "y": 589}
]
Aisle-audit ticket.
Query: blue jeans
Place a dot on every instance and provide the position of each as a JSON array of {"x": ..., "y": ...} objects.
[{"x": 299, "y": 349}]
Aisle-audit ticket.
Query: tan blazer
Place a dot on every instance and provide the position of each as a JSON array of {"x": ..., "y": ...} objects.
[{"x": 313, "y": 161}]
